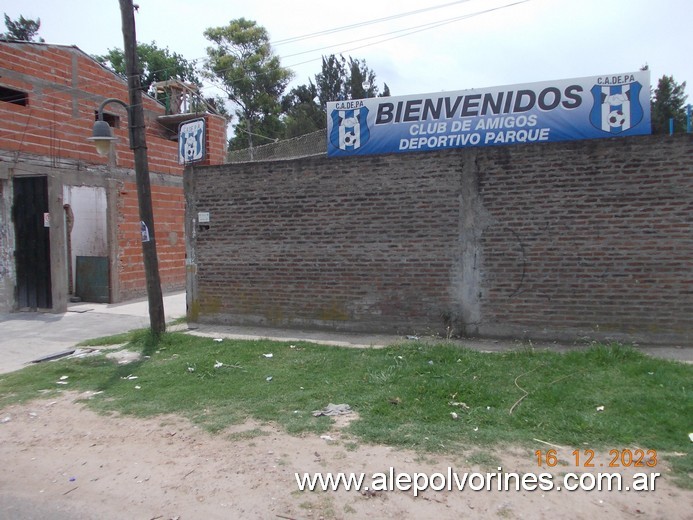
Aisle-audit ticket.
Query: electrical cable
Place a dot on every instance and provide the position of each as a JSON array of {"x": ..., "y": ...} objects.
[{"x": 363, "y": 24}]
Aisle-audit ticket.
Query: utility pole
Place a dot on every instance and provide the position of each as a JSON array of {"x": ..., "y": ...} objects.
[{"x": 138, "y": 145}]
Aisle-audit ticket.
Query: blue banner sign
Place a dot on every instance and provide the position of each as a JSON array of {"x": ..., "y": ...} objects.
[{"x": 546, "y": 112}]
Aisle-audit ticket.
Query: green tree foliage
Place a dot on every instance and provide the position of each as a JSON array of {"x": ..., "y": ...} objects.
[
  {"x": 668, "y": 101},
  {"x": 156, "y": 64},
  {"x": 245, "y": 67},
  {"x": 23, "y": 29},
  {"x": 339, "y": 79},
  {"x": 361, "y": 80},
  {"x": 333, "y": 80},
  {"x": 303, "y": 114}
]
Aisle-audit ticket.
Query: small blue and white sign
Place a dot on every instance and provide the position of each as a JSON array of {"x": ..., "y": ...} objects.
[
  {"x": 552, "y": 111},
  {"x": 191, "y": 141},
  {"x": 350, "y": 128}
]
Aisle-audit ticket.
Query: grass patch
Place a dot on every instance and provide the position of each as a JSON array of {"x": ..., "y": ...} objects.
[{"x": 404, "y": 394}]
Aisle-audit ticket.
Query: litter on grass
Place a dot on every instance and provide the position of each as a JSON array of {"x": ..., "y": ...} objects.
[
  {"x": 268, "y": 356},
  {"x": 332, "y": 410}
]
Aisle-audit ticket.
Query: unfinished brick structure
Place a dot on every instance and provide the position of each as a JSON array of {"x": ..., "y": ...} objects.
[
  {"x": 49, "y": 95},
  {"x": 552, "y": 241}
]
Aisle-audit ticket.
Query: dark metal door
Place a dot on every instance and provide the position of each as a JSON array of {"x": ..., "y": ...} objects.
[{"x": 32, "y": 242}]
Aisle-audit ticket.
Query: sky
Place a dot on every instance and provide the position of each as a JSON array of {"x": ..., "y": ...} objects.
[{"x": 445, "y": 46}]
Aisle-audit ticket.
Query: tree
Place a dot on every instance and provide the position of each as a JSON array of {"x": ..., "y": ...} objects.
[
  {"x": 305, "y": 107},
  {"x": 155, "y": 65},
  {"x": 331, "y": 82},
  {"x": 303, "y": 114},
  {"x": 361, "y": 80},
  {"x": 245, "y": 67},
  {"x": 340, "y": 79},
  {"x": 668, "y": 101},
  {"x": 24, "y": 29}
]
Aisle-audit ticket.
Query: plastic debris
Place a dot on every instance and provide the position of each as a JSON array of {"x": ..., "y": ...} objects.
[
  {"x": 476, "y": 429},
  {"x": 690, "y": 436},
  {"x": 430, "y": 362},
  {"x": 129, "y": 378},
  {"x": 292, "y": 346},
  {"x": 52, "y": 357},
  {"x": 63, "y": 378},
  {"x": 268, "y": 378},
  {"x": 600, "y": 408},
  {"x": 8, "y": 419},
  {"x": 413, "y": 337},
  {"x": 218, "y": 364},
  {"x": 61, "y": 382},
  {"x": 326, "y": 438},
  {"x": 137, "y": 387},
  {"x": 268, "y": 356},
  {"x": 218, "y": 340},
  {"x": 464, "y": 406},
  {"x": 191, "y": 369},
  {"x": 333, "y": 409},
  {"x": 454, "y": 415}
]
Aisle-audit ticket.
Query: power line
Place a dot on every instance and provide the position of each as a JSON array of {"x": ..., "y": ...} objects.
[
  {"x": 413, "y": 30},
  {"x": 364, "y": 23},
  {"x": 408, "y": 31}
]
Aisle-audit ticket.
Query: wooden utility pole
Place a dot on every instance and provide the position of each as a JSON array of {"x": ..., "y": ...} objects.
[{"x": 138, "y": 144}]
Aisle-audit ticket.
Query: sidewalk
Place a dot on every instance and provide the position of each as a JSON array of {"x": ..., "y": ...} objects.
[{"x": 26, "y": 336}]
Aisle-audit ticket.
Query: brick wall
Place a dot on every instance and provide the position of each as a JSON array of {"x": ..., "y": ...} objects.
[
  {"x": 65, "y": 88},
  {"x": 553, "y": 241}
]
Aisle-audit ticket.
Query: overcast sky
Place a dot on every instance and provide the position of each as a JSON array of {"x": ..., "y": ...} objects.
[{"x": 474, "y": 43}]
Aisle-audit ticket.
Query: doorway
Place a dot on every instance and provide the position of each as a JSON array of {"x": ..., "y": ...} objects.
[{"x": 32, "y": 242}]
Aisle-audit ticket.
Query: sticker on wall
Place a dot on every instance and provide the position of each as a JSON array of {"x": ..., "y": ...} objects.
[
  {"x": 46, "y": 220},
  {"x": 145, "y": 232},
  {"x": 191, "y": 141}
]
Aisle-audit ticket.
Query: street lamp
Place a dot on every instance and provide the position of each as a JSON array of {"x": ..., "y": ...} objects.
[
  {"x": 102, "y": 138},
  {"x": 101, "y": 134}
]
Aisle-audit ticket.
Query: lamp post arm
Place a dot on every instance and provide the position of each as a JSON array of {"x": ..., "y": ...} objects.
[
  {"x": 111, "y": 100},
  {"x": 127, "y": 108}
]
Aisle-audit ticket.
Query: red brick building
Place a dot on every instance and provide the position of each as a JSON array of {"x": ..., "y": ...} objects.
[{"x": 69, "y": 219}]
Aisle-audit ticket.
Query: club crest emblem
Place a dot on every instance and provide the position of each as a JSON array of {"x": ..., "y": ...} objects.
[
  {"x": 350, "y": 128},
  {"x": 616, "y": 108}
]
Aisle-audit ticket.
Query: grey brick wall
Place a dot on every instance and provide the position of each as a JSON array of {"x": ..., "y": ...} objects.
[{"x": 553, "y": 241}]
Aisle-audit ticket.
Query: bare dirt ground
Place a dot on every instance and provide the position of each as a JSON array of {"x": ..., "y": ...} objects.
[{"x": 61, "y": 460}]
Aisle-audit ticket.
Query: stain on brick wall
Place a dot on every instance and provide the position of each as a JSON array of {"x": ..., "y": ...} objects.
[{"x": 552, "y": 241}]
